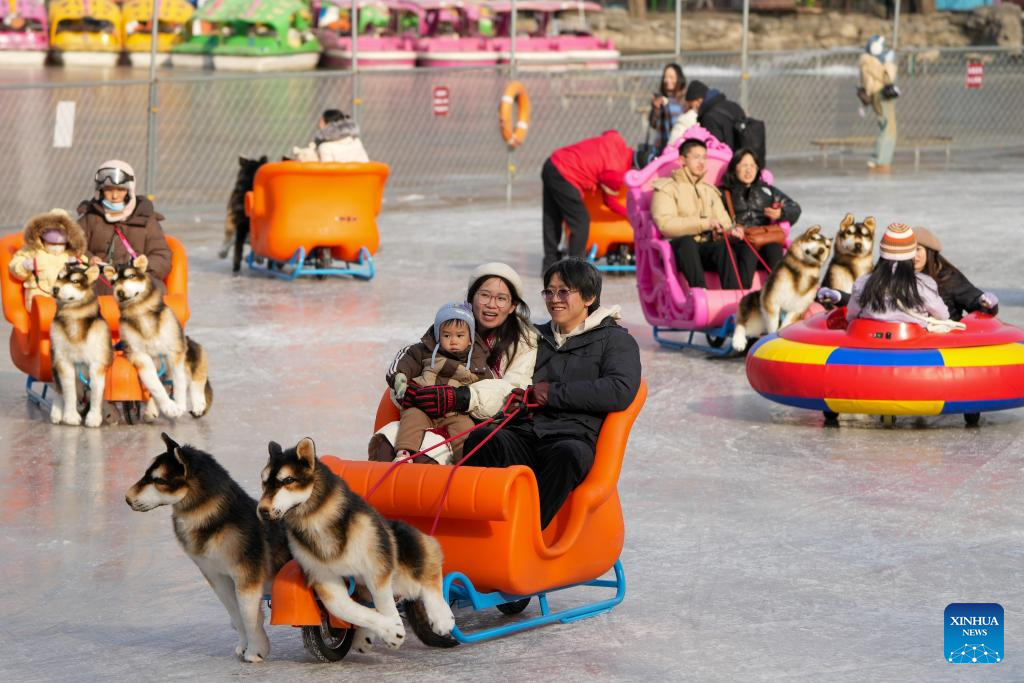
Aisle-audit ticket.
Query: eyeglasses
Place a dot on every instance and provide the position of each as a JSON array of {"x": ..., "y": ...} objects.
[
  {"x": 108, "y": 177},
  {"x": 499, "y": 300},
  {"x": 560, "y": 294}
]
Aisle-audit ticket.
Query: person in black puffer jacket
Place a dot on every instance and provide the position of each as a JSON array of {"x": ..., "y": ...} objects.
[
  {"x": 715, "y": 112},
  {"x": 752, "y": 202},
  {"x": 957, "y": 292},
  {"x": 587, "y": 366}
]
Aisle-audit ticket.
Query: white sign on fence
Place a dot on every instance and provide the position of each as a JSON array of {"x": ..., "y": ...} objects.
[{"x": 64, "y": 125}]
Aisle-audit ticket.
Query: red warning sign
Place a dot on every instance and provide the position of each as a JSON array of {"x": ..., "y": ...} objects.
[
  {"x": 975, "y": 75},
  {"x": 441, "y": 100}
]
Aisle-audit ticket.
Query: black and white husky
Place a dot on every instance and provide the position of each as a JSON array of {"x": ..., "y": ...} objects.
[
  {"x": 150, "y": 331},
  {"x": 78, "y": 336},
  {"x": 334, "y": 534},
  {"x": 216, "y": 523}
]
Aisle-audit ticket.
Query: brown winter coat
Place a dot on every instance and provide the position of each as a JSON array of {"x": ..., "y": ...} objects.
[
  {"x": 40, "y": 278},
  {"x": 414, "y": 362},
  {"x": 141, "y": 229}
]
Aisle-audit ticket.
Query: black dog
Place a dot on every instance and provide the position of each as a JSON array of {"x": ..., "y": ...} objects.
[{"x": 236, "y": 225}]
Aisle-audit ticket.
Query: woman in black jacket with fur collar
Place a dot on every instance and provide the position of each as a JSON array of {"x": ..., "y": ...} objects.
[{"x": 752, "y": 202}]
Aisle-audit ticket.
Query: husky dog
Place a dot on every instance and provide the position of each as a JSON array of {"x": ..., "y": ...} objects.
[
  {"x": 149, "y": 331},
  {"x": 791, "y": 288},
  {"x": 236, "y": 224},
  {"x": 78, "y": 335},
  {"x": 333, "y": 534},
  {"x": 854, "y": 245},
  {"x": 217, "y": 525}
]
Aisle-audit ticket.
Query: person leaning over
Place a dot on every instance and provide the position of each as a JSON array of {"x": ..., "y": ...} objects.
[
  {"x": 689, "y": 213},
  {"x": 715, "y": 112},
  {"x": 587, "y": 366}
]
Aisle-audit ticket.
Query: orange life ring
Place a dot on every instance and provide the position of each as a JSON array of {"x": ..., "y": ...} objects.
[{"x": 514, "y": 132}]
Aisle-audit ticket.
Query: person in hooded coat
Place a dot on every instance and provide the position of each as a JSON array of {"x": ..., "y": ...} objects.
[
  {"x": 715, "y": 112},
  {"x": 52, "y": 239},
  {"x": 336, "y": 139}
]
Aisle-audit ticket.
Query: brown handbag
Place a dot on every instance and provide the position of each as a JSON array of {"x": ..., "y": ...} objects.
[{"x": 758, "y": 235}]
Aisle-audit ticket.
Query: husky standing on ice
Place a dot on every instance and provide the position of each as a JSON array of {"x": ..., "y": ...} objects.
[
  {"x": 150, "y": 330},
  {"x": 78, "y": 335},
  {"x": 334, "y": 534},
  {"x": 216, "y": 523}
]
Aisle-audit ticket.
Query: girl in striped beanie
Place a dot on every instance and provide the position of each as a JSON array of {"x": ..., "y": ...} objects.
[{"x": 893, "y": 292}]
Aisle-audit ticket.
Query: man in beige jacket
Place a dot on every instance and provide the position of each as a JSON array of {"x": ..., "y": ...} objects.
[{"x": 689, "y": 213}]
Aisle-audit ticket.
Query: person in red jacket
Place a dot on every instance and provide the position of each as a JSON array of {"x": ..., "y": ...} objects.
[{"x": 570, "y": 172}]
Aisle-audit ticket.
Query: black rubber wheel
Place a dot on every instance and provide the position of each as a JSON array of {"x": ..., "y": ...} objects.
[
  {"x": 514, "y": 607},
  {"x": 327, "y": 646},
  {"x": 972, "y": 419},
  {"x": 715, "y": 342},
  {"x": 831, "y": 419}
]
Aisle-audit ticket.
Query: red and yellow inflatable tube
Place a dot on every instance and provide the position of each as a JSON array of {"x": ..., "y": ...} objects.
[{"x": 879, "y": 368}]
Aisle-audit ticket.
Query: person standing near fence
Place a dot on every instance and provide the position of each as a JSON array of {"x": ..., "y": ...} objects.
[
  {"x": 568, "y": 174},
  {"x": 668, "y": 104},
  {"x": 877, "y": 89}
]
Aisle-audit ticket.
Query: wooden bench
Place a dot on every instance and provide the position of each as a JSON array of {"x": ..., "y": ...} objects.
[{"x": 917, "y": 143}]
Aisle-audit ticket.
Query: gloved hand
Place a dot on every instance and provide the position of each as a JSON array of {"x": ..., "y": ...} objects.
[
  {"x": 827, "y": 295},
  {"x": 538, "y": 393},
  {"x": 437, "y": 400},
  {"x": 988, "y": 300},
  {"x": 28, "y": 263},
  {"x": 399, "y": 383}
]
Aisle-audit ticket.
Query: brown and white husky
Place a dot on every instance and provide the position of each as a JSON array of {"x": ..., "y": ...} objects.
[
  {"x": 78, "y": 336},
  {"x": 216, "y": 523},
  {"x": 150, "y": 332},
  {"x": 333, "y": 534},
  {"x": 791, "y": 288},
  {"x": 855, "y": 243}
]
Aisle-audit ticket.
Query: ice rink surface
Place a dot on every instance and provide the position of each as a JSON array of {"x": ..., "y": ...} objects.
[{"x": 759, "y": 546}]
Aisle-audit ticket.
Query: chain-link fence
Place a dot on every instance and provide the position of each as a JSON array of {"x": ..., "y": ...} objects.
[{"x": 205, "y": 122}]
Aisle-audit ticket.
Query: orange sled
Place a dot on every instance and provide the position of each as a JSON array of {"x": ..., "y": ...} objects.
[
  {"x": 611, "y": 235},
  {"x": 317, "y": 212},
  {"x": 30, "y": 338},
  {"x": 489, "y": 528}
]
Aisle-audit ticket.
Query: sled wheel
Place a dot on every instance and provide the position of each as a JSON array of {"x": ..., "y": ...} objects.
[
  {"x": 831, "y": 419},
  {"x": 130, "y": 411},
  {"x": 514, "y": 607},
  {"x": 327, "y": 644},
  {"x": 715, "y": 342},
  {"x": 972, "y": 419},
  {"x": 322, "y": 260}
]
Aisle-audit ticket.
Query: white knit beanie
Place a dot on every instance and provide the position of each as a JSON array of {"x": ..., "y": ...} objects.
[{"x": 502, "y": 270}]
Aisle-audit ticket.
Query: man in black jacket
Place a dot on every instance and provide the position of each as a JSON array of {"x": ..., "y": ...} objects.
[
  {"x": 587, "y": 366},
  {"x": 715, "y": 112}
]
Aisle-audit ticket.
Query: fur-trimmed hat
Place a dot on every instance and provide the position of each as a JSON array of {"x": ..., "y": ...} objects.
[
  {"x": 502, "y": 270},
  {"x": 898, "y": 243},
  {"x": 927, "y": 238},
  {"x": 55, "y": 219},
  {"x": 454, "y": 311}
]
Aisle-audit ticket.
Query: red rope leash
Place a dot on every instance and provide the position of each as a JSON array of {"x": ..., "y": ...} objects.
[
  {"x": 444, "y": 494},
  {"x": 754, "y": 249},
  {"x": 732, "y": 257}
]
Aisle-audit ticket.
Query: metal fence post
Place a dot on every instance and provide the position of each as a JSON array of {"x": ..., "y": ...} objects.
[
  {"x": 510, "y": 156},
  {"x": 744, "y": 74},
  {"x": 896, "y": 25},
  {"x": 679, "y": 29},
  {"x": 150, "y": 187},
  {"x": 356, "y": 102}
]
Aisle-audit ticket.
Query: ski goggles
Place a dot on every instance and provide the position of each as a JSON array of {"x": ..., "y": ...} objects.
[{"x": 112, "y": 177}]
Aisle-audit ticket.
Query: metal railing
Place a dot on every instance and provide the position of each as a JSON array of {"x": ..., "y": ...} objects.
[{"x": 205, "y": 122}]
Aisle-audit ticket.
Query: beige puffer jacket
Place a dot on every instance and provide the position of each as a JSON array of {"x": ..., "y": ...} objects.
[{"x": 682, "y": 205}]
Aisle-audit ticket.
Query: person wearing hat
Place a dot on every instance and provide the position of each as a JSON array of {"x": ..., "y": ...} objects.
[
  {"x": 52, "y": 239},
  {"x": 442, "y": 357},
  {"x": 569, "y": 173},
  {"x": 957, "y": 292},
  {"x": 893, "y": 291},
  {"x": 119, "y": 225},
  {"x": 878, "y": 70},
  {"x": 504, "y": 348},
  {"x": 715, "y": 112},
  {"x": 587, "y": 366}
]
